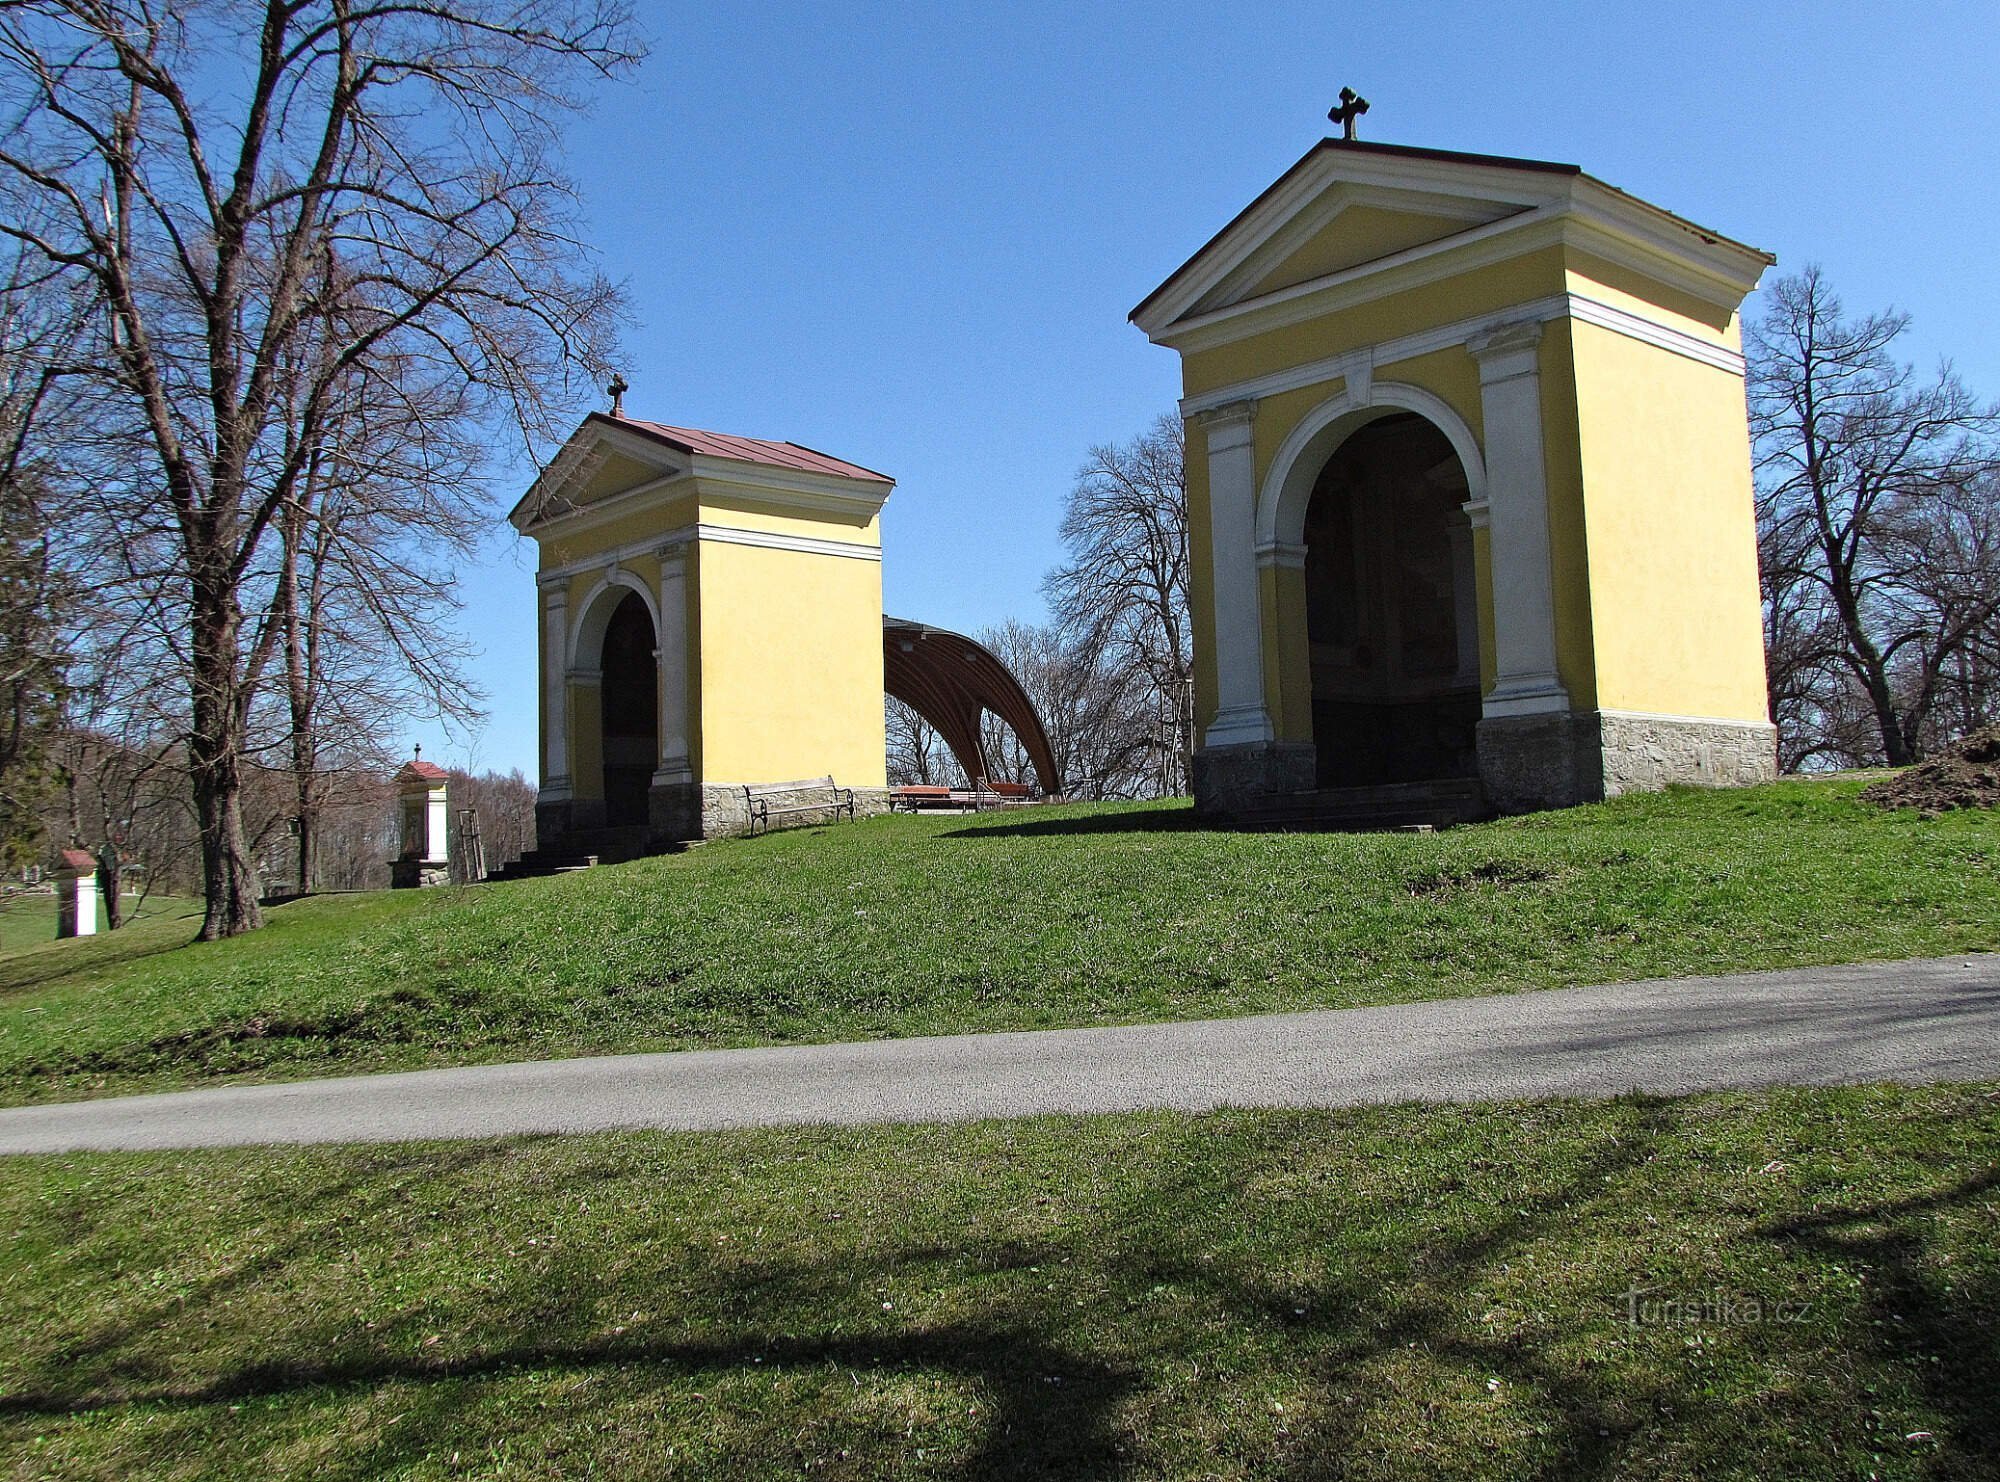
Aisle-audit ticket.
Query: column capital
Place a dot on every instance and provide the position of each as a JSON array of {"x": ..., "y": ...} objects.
[
  {"x": 1227, "y": 426},
  {"x": 554, "y": 586},
  {"x": 672, "y": 550},
  {"x": 1506, "y": 350}
]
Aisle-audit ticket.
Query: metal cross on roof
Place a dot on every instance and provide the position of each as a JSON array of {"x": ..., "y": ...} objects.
[
  {"x": 1352, "y": 106},
  {"x": 617, "y": 388}
]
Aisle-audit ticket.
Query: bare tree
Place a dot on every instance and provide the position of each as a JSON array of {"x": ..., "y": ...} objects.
[
  {"x": 1094, "y": 707},
  {"x": 39, "y": 331},
  {"x": 918, "y": 756},
  {"x": 1122, "y": 596},
  {"x": 384, "y": 174},
  {"x": 1876, "y": 528}
]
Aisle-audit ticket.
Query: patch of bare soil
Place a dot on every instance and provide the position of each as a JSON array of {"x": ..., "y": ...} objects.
[{"x": 1965, "y": 774}]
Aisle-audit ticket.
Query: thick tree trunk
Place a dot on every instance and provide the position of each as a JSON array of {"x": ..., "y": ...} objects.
[
  {"x": 229, "y": 883},
  {"x": 305, "y": 815}
]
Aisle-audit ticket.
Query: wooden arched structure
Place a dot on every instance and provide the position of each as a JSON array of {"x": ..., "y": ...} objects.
[{"x": 950, "y": 680}]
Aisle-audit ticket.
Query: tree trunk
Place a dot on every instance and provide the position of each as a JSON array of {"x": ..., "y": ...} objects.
[
  {"x": 229, "y": 883},
  {"x": 108, "y": 886}
]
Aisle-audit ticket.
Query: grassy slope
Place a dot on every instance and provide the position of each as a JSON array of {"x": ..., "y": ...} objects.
[
  {"x": 29, "y": 921},
  {"x": 1225, "y": 1296},
  {"x": 905, "y": 926}
]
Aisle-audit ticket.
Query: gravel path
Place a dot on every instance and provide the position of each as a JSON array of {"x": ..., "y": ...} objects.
[{"x": 1899, "y": 1021}]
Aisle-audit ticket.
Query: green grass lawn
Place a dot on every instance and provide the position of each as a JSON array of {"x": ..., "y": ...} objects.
[
  {"x": 900, "y": 926},
  {"x": 1381, "y": 1293},
  {"x": 29, "y": 921}
]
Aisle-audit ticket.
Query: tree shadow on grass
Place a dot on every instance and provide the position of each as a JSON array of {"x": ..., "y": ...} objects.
[
  {"x": 1178, "y": 819},
  {"x": 773, "y": 1338},
  {"x": 45, "y": 966},
  {"x": 1931, "y": 1320},
  {"x": 1049, "y": 1407}
]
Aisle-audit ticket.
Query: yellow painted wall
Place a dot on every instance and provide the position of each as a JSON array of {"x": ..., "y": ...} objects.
[
  {"x": 1672, "y": 536},
  {"x": 1485, "y": 290},
  {"x": 791, "y": 666},
  {"x": 749, "y": 514}
]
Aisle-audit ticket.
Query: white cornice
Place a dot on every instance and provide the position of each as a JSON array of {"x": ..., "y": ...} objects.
[
  {"x": 1344, "y": 366},
  {"x": 804, "y": 544},
  {"x": 652, "y": 545}
]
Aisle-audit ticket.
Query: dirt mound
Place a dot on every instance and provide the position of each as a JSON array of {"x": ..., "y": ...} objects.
[{"x": 1965, "y": 774}]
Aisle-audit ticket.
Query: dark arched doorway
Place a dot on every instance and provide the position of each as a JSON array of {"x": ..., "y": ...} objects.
[
  {"x": 1390, "y": 612},
  {"x": 631, "y": 709}
]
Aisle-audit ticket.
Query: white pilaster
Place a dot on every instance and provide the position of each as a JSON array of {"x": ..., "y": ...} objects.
[
  {"x": 1524, "y": 622},
  {"x": 555, "y": 692},
  {"x": 673, "y": 662},
  {"x": 1464, "y": 598},
  {"x": 1240, "y": 715}
]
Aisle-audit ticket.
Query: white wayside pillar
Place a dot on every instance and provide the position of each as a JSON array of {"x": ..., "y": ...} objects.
[
  {"x": 1240, "y": 716},
  {"x": 75, "y": 879},
  {"x": 673, "y": 667},
  {"x": 1524, "y": 619},
  {"x": 555, "y": 692}
]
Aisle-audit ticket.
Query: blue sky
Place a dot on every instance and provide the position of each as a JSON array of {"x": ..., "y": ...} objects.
[{"x": 909, "y": 235}]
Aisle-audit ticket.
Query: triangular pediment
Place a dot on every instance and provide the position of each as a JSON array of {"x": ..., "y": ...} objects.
[
  {"x": 1345, "y": 227},
  {"x": 601, "y": 462},
  {"x": 1353, "y": 220}
]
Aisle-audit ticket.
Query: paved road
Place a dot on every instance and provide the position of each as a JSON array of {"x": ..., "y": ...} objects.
[{"x": 1903, "y": 1021}]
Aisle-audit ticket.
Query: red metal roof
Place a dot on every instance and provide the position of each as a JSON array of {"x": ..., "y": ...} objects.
[
  {"x": 429, "y": 771},
  {"x": 80, "y": 860},
  {"x": 693, "y": 440}
]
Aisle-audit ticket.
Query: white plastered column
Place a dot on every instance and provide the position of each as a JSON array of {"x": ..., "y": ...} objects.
[
  {"x": 1517, "y": 519},
  {"x": 555, "y": 691},
  {"x": 1241, "y": 717},
  {"x": 673, "y": 666},
  {"x": 1465, "y": 597}
]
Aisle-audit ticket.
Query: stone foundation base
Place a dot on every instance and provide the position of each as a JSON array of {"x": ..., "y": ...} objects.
[
  {"x": 569, "y": 816},
  {"x": 724, "y": 811},
  {"x": 418, "y": 874},
  {"x": 1228, "y": 779},
  {"x": 1528, "y": 762},
  {"x": 683, "y": 812}
]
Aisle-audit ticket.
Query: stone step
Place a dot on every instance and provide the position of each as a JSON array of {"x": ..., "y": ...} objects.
[{"x": 1392, "y": 805}]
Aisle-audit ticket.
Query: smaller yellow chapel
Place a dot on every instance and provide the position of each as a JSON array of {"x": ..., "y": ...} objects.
[{"x": 711, "y": 617}]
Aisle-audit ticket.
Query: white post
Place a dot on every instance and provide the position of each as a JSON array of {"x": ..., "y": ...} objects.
[
  {"x": 436, "y": 827},
  {"x": 1524, "y": 623},
  {"x": 555, "y": 691},
  {"x": 673, "y": 666},
  {"x": 76, "y": 895},
  {"x": 1240, "y": 715}
]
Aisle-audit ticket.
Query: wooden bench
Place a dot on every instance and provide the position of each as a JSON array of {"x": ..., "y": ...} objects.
[
  {"x": 917, "y": 797},
  {"x": 765, "y": 801},
  {"x": 988, "y": 794}
]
